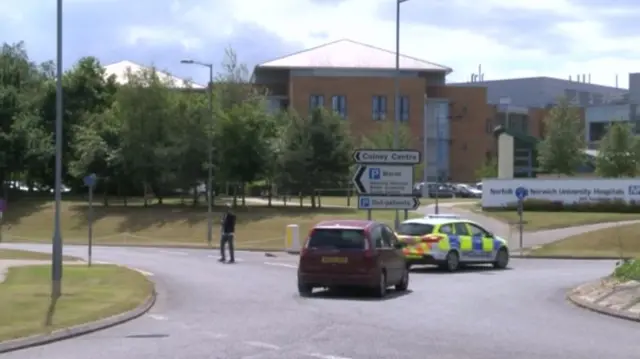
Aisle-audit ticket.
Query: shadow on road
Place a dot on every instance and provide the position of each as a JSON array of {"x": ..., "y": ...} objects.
[
  {"x": 481, "y": 269},
  {"x": 356, "y": 294}
]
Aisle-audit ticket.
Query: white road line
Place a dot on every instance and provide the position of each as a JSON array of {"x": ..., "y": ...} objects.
[
  {"x": 263, "y": 345},
  {"x": 158, "y": 317},
  {"x": 173, "y": 252},
  {"x": 323, "y": 356},
  {"x": 288, "y": 265}
]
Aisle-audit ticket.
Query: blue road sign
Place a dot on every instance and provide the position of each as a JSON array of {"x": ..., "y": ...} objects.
[
  {"x": 521, "y": 193},
  {"x": 365, "y": 202},
  {"x": 374, "y": 173},
  {"x": 90, "y": 180}
]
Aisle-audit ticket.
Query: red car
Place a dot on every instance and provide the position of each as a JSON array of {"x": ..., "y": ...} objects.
[{"x": 352, "y": 253}]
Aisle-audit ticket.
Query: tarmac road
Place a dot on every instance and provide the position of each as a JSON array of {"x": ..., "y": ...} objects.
[{"x": 251, "y": 310}]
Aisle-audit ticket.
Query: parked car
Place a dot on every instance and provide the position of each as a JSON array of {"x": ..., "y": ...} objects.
[
  {"x": 352, "y": 253},
  {"x": 440, "y": 190},
  {"x": 466, "y": 191}
]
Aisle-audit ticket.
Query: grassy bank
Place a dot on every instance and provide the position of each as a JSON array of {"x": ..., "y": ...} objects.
[{"x": 89, "y": 294}]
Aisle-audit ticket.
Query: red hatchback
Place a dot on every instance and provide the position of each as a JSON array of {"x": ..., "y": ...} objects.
[{"x": 352, "y": 253}]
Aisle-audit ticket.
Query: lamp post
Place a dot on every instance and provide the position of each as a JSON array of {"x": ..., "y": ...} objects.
[
  {"x": 396, "y": 123},
  {"x": 210, "y": 150},
  {"x": 56, "y": 251}
]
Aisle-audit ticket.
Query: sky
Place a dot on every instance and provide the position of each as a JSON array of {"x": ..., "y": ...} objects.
[{"x": 509, "y": 38}]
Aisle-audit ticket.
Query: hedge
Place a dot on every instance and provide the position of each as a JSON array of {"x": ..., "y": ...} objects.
[{"x": 602, "y": 206}]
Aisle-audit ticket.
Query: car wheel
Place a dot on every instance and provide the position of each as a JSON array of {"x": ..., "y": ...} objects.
[
  {"x": 452, "y": 262},
  {"x": 403, "y": 285},
  {"x": 502, "y": 259},
  {"x": 381, "y": 288},
  {"x": 304, "y": 290}
]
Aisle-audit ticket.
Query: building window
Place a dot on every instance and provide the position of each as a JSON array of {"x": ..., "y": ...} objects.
[
  {"x": 316, "y": 101},
  {"x": 339, "y": 105},
  {"x": 404, "y": 108},
  {"x": 379, "y": 108}
]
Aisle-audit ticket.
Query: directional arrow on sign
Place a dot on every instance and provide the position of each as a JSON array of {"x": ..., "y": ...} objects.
[{"x": 357, "y": 179}]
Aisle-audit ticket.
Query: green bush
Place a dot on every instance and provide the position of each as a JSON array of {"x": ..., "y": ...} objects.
[
  {"x": 628, "y": 270},
  {"x": 540, "y": 205}
]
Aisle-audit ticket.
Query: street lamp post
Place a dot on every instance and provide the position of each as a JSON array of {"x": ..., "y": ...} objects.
[
  {"x": 210, "y": 150},
  {"x": 396, "y": 123},
  {"x": 56, "y": 252}
]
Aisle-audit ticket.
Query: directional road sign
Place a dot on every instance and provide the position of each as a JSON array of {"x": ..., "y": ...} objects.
[
  {"x": 395, "y": 157},
  {"x": 384, "y": 179},
  {"x": 521, "y": 193},
  {"x": 388, "y": 202}
]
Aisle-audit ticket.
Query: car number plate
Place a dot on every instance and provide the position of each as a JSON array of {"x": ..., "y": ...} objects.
[{"x": 340, "y": 260}]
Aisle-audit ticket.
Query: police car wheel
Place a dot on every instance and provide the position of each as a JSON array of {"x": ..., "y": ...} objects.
[
  {"x": 502, "y": 259},
  {"x": 381, "y": 288},
  {"x": 452, "y": 262}
]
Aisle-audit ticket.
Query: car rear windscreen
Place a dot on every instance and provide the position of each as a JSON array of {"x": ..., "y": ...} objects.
[
  {"x": 414, "y": 229},
  {"x": 338, "y": 238}
]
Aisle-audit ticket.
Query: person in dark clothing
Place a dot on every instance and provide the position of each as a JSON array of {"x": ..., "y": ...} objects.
[{"x": 226, "y": 236}]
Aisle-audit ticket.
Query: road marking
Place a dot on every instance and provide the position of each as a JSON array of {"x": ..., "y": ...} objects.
[
  {"x": 215, "y": 335},
  {"x": 263, "y": 345},
  {"x": 158, "y": 317},
  {"x": 288, "y": 265},
  {"x": 323, "y": 356},
  {"x": 174, "y": 252}
]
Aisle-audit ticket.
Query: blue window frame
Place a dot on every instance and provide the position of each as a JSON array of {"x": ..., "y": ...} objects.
[{"x": 379, "y": 107}]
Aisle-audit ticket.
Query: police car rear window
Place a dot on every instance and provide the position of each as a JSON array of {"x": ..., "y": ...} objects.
[
  {"x": 337, "y": 238},
  {"x": 414, "y": 229}
]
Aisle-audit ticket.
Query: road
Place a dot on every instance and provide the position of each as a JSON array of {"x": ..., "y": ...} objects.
[{"x": 251, "y": 310}]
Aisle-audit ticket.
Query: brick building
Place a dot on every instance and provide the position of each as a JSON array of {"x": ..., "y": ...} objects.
[{"x": 357, "y": 81}]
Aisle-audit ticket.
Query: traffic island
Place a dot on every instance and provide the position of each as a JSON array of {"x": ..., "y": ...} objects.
[
  {"x": 93, "y": 298},
  {"x": 617, "y": 295}
]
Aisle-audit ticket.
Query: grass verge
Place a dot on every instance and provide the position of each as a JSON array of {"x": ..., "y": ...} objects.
[
  {"x": 553, "y": 220},
  {"x": 628, "y": 270},
  {"x": 258, "y": 226},
  {"x": 619, "y": 241},
  {"x": 16, "y": 254},
  {"x": 89, "y": 294}
]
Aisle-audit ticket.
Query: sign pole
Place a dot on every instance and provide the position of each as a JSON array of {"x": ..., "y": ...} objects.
[
  {"x": 521, "y": 193},
  {"x": 90, "y": 181},
  {"x": 90, "y": 224}
]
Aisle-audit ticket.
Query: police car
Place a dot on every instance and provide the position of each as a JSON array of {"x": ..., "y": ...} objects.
[{"x": 449, "y": 241}]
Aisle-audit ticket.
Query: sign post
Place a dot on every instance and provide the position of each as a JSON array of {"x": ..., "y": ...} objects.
[
  {"x": 90, "y": 181},
  {"x": 384, "y": 179},
  {"x": 521, "y": 193},
  {"x": 3, "y": 208}
]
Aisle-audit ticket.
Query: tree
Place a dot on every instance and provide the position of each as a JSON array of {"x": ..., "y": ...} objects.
[
  {"x": 617, "y": 155},
  {"x": 316, "y": 152},
  {"x": 562, "y": 149},
  {"x": 489, "y": 169}
]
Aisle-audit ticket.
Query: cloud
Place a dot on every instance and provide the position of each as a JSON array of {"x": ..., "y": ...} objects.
[{"x": 509, "y": 38}]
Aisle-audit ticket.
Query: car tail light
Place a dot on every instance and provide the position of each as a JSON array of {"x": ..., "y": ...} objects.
[
  {"x": 305, "y": 248},
  {"x": 431, "y": 239}
]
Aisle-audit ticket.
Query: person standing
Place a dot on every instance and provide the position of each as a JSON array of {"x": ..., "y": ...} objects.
[{"x": 226, "y": 235}]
